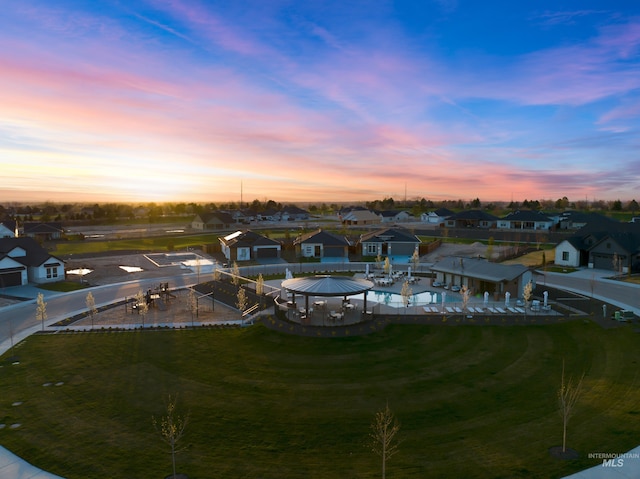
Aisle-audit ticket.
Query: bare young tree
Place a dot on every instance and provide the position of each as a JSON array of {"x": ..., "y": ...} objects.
[
  {"x": 383, "y": 431},
  {"x": 171, "y": 428},
  {"x": 192, "y": 304},
  {"x": 387, "y": 265},
  {"x": 527, "y": 292},
  {"x": 617, "y": 262},
  {"x": 568, "y": 395},
  {"x": 241, "y": 300},
  {"x": 41, "y": 309},
  {"x": 143, "y": 307},
  {"x": 466, "y": 296},
  {"x": 406, "y": 293},
  {"x": 236, "y": 273},
  {"x": 489, "y": 252},
  {"x": 415, "y": 259},
  {"x": 91, "y": 306},
  {"x": 260, "y": 285}
]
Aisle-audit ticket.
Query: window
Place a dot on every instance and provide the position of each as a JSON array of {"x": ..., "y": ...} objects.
[
  {"x": 565, "y": 256},
  {"x": 372, "y": 248},
  {"x": 52, "y": 272}
]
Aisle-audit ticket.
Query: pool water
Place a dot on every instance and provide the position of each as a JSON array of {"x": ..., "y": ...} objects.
[{"x": 419, "y": 299}]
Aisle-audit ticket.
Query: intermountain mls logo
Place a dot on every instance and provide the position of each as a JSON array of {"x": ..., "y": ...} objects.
[{"x": 612, "y": 459}]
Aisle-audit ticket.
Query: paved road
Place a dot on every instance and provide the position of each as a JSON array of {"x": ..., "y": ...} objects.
[{"x": 595, "y": 282}]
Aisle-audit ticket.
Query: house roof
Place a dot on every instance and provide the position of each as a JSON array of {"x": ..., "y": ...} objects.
[
  {"x": 294, "y": 210},
  {"x": 327, "y": 285},
  {"x": 360, "y": 215},
  {"x": 526, "y": 215},
  {"x": 389, "y": 235},
  {"x": 9, "y": 224},
  {"x": 443, "y": 212},
  {"x": 34, "y": 227},
  {"x": 322, "y": 237},
  {"x": 627, "y": 235},
  {"x": 220, "y": 216},
  {"x": 36, "y": 254},
  {"x": 390, "y": 213},
  {"x": 580, "y": 217},
  {"x": 248, "y": 238},
  {"x": 477, "y": 215},
  {"x": 479, "y": 268}
]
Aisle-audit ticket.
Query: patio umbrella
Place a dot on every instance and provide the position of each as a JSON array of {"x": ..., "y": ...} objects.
[
  {"x": 545, "y": 295},
  {"x": 409, "y": 272},
  {"x": 507, "y": 295},
  {"x": 486, "y": 298},
  {"x": 366, "y": 270}
]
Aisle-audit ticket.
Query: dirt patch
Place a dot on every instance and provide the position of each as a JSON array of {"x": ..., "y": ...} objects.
[{"x": 473, "y": 250}]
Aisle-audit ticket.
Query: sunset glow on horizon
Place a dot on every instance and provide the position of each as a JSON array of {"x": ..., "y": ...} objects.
[{"x": 319, "y": 101}]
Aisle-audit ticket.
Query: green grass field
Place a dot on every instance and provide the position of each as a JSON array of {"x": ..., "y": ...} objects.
[{"x": 473, "y": 401}]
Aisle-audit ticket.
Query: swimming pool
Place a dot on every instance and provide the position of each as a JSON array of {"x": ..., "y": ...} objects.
[{"x": 419, "y": 299}]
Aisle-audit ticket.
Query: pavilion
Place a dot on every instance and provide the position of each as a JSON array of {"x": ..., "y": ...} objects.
[{"x": 327, "y": 286}]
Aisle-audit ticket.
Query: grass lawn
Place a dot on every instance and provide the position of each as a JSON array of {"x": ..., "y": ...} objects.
[
  {"x": 135, "y": 244},
  {"x": 473, "y": 401}
]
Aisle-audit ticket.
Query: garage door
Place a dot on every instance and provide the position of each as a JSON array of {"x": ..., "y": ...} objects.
[
  {"x": 601, "y": 261},
  {"x": 10, "y": 279},
  {"x": 267, "y": 252},
  {"x": 333, "y": 251}
]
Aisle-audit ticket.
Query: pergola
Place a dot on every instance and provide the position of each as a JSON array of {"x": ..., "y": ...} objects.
[{"x": 327, "y": 286}]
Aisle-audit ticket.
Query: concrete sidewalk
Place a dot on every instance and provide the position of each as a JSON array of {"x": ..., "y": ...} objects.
[{"x": 13, "y": 467}]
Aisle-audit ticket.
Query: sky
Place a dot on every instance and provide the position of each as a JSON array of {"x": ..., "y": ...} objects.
[{"x": 319, "y": 100}]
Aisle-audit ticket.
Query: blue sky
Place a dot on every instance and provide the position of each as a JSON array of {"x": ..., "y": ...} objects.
[{"x": 319, "y": 100}]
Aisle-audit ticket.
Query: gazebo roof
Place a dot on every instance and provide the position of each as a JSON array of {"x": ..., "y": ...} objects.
[{"x": 327, "y": 285}]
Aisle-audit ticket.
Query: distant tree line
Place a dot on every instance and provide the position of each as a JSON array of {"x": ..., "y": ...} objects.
[{"x": 154, "y": 212}]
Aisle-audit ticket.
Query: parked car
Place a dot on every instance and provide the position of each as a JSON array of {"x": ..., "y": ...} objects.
[
  {"x": 455, "y": 288},
  {"x": 437, "y": 284}
]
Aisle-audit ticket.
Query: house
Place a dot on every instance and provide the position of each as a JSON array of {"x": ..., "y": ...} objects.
[
  {"x": 218, "y": 220},
  {"x": 571, "y": 252},
  {"x": 293, "y": 213},
  {"x": 471, "y": 219},
  {"x": 43, "y": 231},
  {"x": 269, "y": 214},
  {"x": 525, "y": 220},
  {"x": 322, "y": 245},
  {"x": 395, "y": 243},
  {"x": 248, "y": 245},
  {"x": 574, "y": 220},
  {"x": 392, "y": 216},
  {"x": 359, "y": 217},
  {"x": 603, "y": 243},
  {"x": 23, "y": 261},
  {"x": 436, "y": 217},
  {"x": 481, "y": 275},
  {"x": 8, "y": 229}
]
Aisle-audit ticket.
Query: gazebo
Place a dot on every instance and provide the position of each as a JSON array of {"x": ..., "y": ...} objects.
[{"x": 327, "y": 286}]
